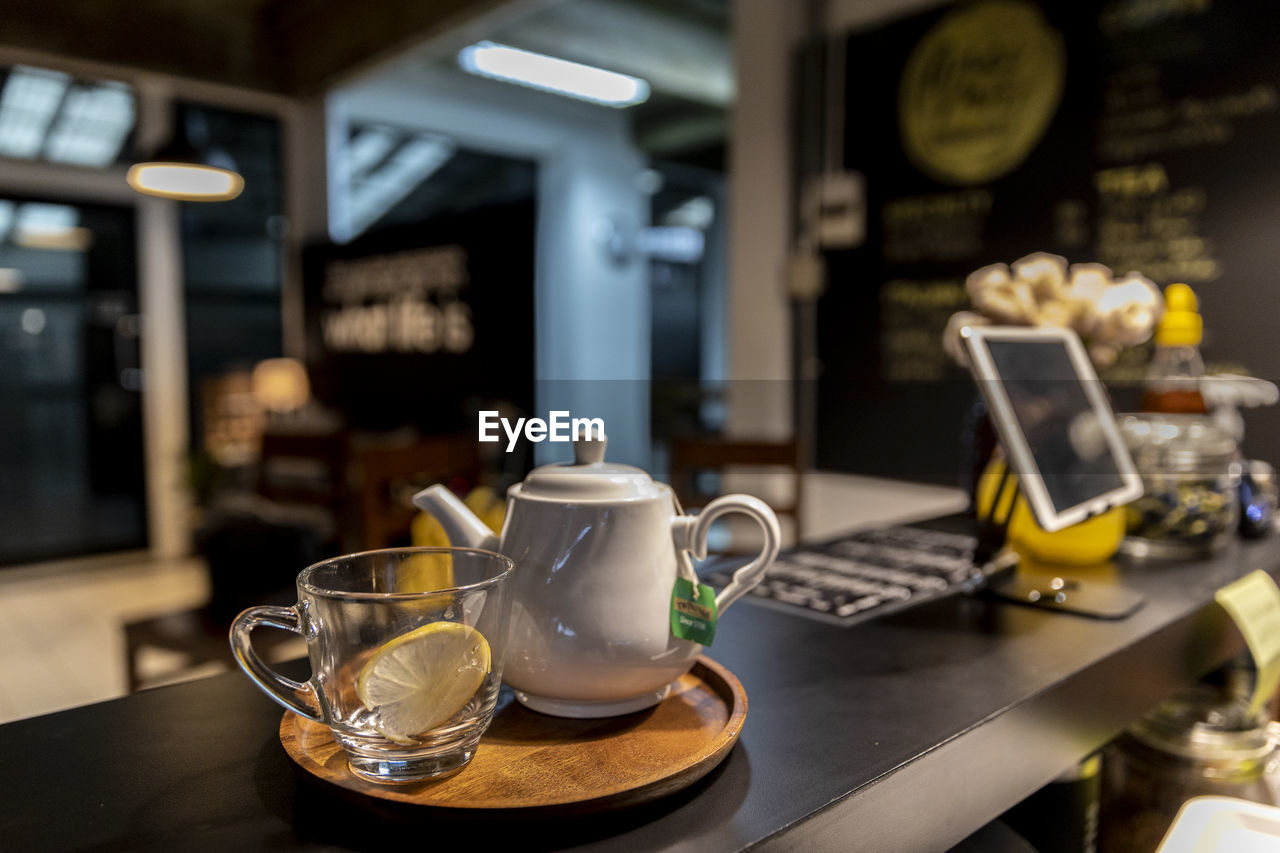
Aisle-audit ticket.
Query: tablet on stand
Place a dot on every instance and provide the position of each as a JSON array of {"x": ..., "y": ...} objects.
[
  {"x": 1063, "y": 446},
  {"x": 1066, "y": 456}
]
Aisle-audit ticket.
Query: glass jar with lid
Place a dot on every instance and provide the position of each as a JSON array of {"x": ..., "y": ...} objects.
[
  {"x": 1202, "y": 742},
  {"x": 1191, "y": 476}
]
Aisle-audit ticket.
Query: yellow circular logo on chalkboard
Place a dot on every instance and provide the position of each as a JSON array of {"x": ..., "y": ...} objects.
[{"x": 979, "y": 91}]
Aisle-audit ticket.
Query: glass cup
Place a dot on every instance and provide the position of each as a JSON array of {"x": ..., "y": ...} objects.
[{"x": 406, "y": 649}]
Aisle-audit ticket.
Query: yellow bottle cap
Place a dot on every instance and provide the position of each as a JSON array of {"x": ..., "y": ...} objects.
[{"x": 1181, "y": 325}]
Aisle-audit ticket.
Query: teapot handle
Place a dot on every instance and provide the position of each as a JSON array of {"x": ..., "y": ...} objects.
[{"x": 690, "y": 533}]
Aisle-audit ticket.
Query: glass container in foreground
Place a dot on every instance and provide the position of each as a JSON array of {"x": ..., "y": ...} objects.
[{"x": 406, "y": 649}]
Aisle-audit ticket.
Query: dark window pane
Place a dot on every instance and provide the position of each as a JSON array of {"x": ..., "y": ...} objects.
[
  {"x": 70, "y": 405},
  {"x": 231, "y": 251}
]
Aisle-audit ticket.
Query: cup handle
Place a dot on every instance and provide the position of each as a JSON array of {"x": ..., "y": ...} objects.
[
  {"x": 691, "y": 535},
  {"x": 299, "y": 698}
]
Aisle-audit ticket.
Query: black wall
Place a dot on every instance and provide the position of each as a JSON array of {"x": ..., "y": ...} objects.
[
  {"x": 432, "y": 386},
  {"x": 1160, "y": 157}
]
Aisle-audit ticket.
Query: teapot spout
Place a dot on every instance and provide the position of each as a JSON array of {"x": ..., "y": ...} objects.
[{"x": 460, "y": 524}]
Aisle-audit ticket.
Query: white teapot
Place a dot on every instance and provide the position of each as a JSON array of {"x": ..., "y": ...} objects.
[{"x": 598, "y": 548}]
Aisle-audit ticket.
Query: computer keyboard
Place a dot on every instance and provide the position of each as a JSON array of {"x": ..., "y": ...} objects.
[{"x": 864, "y": 574}]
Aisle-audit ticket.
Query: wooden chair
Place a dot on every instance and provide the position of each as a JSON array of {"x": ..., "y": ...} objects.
[{"x": 692, "y": 456}]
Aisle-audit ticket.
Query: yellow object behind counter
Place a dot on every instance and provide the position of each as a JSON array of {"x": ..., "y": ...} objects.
[
  {"x": 487, "y": 504},
  {"x": 425, "y": 572},
  {"x": 1088, "y": 543}
]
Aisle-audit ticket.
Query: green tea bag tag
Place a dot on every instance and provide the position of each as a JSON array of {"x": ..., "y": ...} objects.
[
  {"x": 1254, "y": 604},
  {"x": 693, "y": 612}
]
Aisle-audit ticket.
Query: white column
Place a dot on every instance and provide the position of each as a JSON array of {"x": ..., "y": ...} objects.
[
  {"x": 164, "y": 371},
  {"x": 593, "y": 309},
  {"x": 163, "y": 345},
  {"x": 592, "y": 312},
  {"x": 760, "y": 192}
]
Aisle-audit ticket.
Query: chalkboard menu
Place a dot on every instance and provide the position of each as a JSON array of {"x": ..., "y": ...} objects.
[
  {"x": 415, "y": 325},
  {"x": 1138, "y": 134}
]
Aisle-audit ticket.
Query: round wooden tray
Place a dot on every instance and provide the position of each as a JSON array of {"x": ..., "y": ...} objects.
[{"x": 528, "y": 760}]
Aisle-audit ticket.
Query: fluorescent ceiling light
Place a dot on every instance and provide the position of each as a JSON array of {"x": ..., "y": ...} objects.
[
  {"x": 179, "y": 170},
  {"x": 549, "y": 74},
  {"x": 185, "y": 181}
]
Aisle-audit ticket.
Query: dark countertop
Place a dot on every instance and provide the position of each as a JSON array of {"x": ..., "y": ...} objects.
[{"x": 905, "y": 733}]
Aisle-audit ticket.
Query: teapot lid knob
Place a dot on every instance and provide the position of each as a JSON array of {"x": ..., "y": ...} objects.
[
  {"x": 589, "y": 478},
  {"x": 588, "y": 446}
]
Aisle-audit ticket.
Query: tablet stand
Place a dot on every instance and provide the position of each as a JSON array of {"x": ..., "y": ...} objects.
[
  {"x": 993, "y": 532},
  {"x": 1063, "y": 594}
]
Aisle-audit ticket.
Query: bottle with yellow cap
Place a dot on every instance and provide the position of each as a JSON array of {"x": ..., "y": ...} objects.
[{"x": 1173, "y": 380}]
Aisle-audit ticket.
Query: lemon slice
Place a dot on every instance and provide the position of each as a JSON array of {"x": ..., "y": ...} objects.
[{"x": 420, "y": 679}]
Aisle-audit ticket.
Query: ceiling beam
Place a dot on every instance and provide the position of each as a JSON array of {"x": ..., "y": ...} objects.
[
  {"x": 288, "y": 47},
  {"x": 327, "y": 41},
  {"x": 186, "y": 38}
]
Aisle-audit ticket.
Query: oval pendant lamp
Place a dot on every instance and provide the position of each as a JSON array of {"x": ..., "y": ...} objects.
[{"x": 179, "y": 170}]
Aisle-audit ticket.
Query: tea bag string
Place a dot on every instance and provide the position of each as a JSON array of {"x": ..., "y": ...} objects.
[{"x": 684, "y": 558}]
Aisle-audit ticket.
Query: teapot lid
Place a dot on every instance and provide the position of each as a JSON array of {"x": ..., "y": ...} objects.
[{"x": 589, "y": 477}]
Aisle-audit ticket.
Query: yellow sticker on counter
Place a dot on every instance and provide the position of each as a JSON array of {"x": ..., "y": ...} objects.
[{"x": 1254, "y": 604}]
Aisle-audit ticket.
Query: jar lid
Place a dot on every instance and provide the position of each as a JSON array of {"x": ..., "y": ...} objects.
[
  {"x": 1203, "y": 724},
  {"x": 589, "y": 477},
  {"x": 1179, "y": 443}
]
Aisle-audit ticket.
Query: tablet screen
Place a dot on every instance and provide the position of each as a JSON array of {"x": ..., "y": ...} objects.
[{"x": 1059, "y": 421}]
